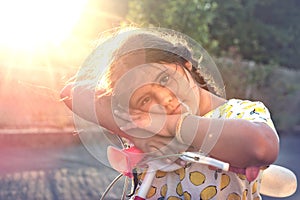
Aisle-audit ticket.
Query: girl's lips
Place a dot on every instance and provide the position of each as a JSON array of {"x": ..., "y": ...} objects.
[{"x": 177, "y": 110}]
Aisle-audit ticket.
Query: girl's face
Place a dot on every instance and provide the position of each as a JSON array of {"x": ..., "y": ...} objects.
[
  {"x": 171, "y": 89},
  {"x": 147, "y": 96}
]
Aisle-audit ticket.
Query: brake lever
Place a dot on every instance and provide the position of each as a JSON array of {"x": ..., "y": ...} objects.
[{"x": 200, "y": 158}]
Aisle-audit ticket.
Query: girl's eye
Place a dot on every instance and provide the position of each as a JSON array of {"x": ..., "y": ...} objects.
[
  {"x": 164, "y": 80},
  {"x": 145, "y": 101}
]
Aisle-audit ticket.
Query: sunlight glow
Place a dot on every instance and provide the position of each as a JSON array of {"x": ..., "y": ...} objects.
[{"x": 27, "y": 25}]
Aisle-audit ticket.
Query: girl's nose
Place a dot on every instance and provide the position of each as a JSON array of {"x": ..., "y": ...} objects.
[{"x": 164, "y": 96}]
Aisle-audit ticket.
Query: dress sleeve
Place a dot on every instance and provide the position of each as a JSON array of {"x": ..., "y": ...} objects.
[{"x": 255, "y": 111}]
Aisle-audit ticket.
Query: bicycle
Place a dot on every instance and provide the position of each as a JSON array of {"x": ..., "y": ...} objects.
[{"x": 285, "y": 184}]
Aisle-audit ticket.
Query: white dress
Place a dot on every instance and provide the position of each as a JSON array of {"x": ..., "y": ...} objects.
[{"x": 197, "y": 181}]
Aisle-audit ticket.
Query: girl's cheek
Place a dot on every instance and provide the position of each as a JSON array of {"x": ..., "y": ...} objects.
[{"x": 157, "y": 108}]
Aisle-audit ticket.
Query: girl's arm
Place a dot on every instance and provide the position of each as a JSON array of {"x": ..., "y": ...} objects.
[
  {"x": 91, "y": 106},
  {"x": 87, "y": 103},
  {"x": 242, "y": 143}
]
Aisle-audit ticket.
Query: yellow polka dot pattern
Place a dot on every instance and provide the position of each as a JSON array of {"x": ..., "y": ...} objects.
[
  {"x": 179, "y": 189},
  {"x": 197, "y": 178},
  {"x": 160, "y": 174},
  {"x": 225, "y": 180},
  {"x": 208, "y": 193},
  {"x": 151, "y": 192},
  {"x": 163, "y": 190},
  {"x": 187, "y": 196},
  {"x": 181, "y": 173},
  {"x": 233, "y": 196}
]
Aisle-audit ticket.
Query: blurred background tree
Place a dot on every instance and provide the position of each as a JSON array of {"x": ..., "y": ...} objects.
[
  {"x": 190, "y": 17},
  {"x": 251, "y": 39},
  {"x": 264, "y": 31}
]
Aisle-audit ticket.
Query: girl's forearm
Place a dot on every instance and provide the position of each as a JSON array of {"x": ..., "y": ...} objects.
[
  {"x": 105, "y": 116},
  {"x": 240, "y": 142},
  {"x": 87, "y": 105}
]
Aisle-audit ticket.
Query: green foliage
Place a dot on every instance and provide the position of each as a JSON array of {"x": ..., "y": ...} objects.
[
  {"x": 276, "y": 87},
  {"x": 265, "y": 31},
  {"x": 191, "y": 17},
  {"x": 262, "y": 30}
]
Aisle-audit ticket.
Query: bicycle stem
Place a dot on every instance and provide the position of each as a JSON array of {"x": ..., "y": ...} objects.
[
  {"x": 188, "y": 156},
  {"x": 146, "y": 185}
]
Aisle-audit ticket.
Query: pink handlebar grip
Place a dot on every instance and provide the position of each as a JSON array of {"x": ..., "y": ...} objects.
[
  {"x": 138, "y": 198},
  {"x": 124, "y": 160}
]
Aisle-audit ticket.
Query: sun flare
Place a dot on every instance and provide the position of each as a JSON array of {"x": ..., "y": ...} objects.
[{"x": 28, "y": 25}]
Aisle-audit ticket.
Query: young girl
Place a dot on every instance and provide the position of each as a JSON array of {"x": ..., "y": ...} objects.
[{"x": 159, "y": 94}]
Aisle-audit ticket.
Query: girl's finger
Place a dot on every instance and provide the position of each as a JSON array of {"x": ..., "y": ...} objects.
[
  {"x": 133, "y": 111},
  {"x": 137, "y": 112},
  {"x": 128, "y": 126},
  {"x": 122, "y": 115},
  {"x": 135, "y": 117},
  {"x": 125, "y": 116}
]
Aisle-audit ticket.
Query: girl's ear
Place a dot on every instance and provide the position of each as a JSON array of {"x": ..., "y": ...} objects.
[{"x": 188, "y": 65}]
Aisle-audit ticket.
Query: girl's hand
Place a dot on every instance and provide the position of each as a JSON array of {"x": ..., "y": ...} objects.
[
  {"x": 159, "y": 147},
  {"x": 156, "y": 123}
]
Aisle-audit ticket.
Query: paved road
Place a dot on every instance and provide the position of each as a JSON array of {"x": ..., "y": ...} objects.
[
  {"x": 53, "y": 174},
  {"x": 289, "y": 158},
  {"x": 72, "y": 173}
]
